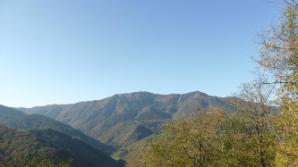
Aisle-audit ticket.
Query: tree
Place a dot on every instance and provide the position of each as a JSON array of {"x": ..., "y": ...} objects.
[
  {"x": 258, "y": 133},
  {"x": 187, "y": 142},
  {"x": 279, "y": 57},
  {"x": 215, "y": 137},
  {"x": 255, "y": 130}
]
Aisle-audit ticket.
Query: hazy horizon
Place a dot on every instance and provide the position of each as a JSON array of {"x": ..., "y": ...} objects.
[{"x": 60, "y": 52}]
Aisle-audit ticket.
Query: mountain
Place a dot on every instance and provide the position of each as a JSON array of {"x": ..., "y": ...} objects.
[
  {"x": 17, "y": 147},
  {"x": 14, "y": 118},
  {"x": 126, "y": 118}
]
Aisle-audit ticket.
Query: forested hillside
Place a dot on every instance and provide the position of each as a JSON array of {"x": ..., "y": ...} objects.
[
  {"x": 127, "y": 118},
  {"x": 38, "y": 147},
  {"x": 13, "y": 118}
]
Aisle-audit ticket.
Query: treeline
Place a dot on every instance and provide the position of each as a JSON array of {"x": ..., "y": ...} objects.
[
  {"x": 36, "y": 161},
  {"x": 215, "y": 138},
  {"x": 263, "y": 130}
]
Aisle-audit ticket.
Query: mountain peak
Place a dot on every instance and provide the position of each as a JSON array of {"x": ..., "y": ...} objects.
[
  {"x": 197, "y": 93},
  {"x": 138, "y": 93},
  {"x": 112, "y": 118}
]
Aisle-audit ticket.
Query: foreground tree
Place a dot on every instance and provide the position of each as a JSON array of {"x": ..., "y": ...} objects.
[
  {"x": 187, "y": 142},
  {"x": 280, "y": 58},
  {"x": 255, "y": 131}
]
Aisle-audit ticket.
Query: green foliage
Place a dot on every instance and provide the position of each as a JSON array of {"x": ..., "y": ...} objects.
[
  {"x": 14, "y": 118},
  {"x": 187, "y": 142},
  {"x": 216, "y": 138},
  {"x": 44, "y": 162},
  {"x": 48, "y": 148},
  {"x": 37, "y": 162}
]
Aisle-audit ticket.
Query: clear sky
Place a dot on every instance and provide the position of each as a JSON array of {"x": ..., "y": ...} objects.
[{"x": 65, "y": 51}]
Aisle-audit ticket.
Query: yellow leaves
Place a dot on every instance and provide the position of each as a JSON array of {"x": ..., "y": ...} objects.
[
  {"x": 281, "y": 160},
  {"x": 287, "y": 154},
  {"x": 280, "y": 57},
  {"x": 186, "y": 142},
  {"x": 287, "y": 151},
  {"x": 270, "y": 44}
]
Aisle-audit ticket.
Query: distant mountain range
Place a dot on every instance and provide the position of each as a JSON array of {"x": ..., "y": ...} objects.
[
  {"x": 90, "y": 132},
  {"x": 126, "y": 118}
]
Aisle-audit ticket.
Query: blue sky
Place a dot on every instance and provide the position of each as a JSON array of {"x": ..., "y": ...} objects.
[{"x": 64, "y": 51}]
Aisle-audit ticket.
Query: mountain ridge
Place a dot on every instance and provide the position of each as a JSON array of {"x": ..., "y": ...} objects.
[
  {"x": 18, "y": 147},
  {"x": 116, "y": 94},
  {"x": 114, "y": 119},
  {"x": 13, "y": 118}
]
